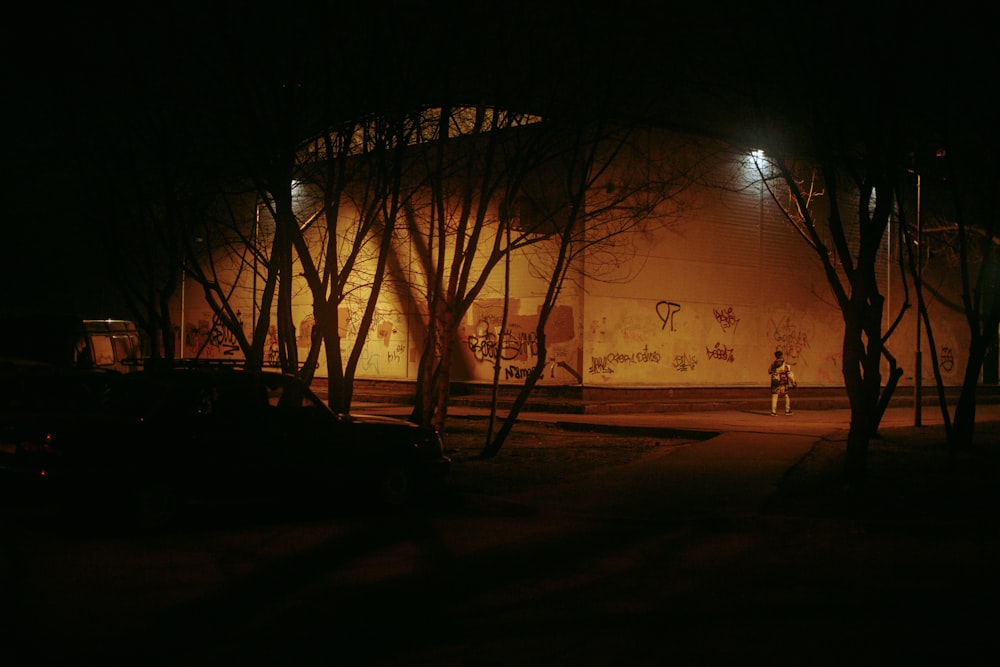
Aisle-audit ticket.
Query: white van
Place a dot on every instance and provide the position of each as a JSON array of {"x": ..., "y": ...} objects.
[
  {"x": 66, "y": 341},
  {"x": 114, "y": 344}
]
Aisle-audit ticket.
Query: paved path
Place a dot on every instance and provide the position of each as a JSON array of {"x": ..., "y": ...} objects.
[
  {"x": 816, "y": 423},
  {"x": 730, "y": 475}
]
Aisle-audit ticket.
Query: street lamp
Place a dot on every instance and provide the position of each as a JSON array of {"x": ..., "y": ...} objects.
[{"x": 918, "y": 362}]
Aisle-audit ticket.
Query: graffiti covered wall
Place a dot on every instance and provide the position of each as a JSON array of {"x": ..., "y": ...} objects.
[
  {"x": 706, "y": 302},
  {"x": 485, "y": 341}
]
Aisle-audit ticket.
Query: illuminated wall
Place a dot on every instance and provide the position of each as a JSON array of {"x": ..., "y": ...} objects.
[{"x": 708, "y": 300}]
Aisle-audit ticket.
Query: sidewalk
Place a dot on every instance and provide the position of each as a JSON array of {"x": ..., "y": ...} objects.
[
  {"x": 609, "y": 401},
  {"x": 787, "y": 464},
  {"x": 812, "y": 422}
]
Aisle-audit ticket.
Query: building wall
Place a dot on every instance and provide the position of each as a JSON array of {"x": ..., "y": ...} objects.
[
  {"x": 704, "y": 301},
  {"x": 719, "y": 292}
]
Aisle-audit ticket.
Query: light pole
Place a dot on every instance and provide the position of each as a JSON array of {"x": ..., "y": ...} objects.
[
  {"x": 918, "y": 362},
  {"x": 253, "y": 305}
]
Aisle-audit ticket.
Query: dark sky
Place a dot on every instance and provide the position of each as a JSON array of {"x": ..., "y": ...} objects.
[{"x": 76, "y": 76}]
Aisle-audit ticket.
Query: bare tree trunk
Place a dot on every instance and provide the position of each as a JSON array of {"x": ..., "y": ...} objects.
[
  {"x": 965, "y": 412},
  {"x": 339, "y": 392},
  {"x": 530, "y": 382},
  {"x": 860, "y": 432},
  {"x": 311, "y": 362},
  {"x": 495, "y": 389},
  {"x": 442, "y": 374},
  {"x": 168, "y": 336}
]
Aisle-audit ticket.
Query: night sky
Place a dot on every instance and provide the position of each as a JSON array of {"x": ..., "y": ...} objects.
[{"x": 77, "y": 78}]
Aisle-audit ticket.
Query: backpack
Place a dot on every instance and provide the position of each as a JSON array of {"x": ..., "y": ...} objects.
[{"x": 782, "y": 376}]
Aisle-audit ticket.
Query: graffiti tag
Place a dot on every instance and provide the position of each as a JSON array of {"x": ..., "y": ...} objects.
[{"x": 666, "y": 310}]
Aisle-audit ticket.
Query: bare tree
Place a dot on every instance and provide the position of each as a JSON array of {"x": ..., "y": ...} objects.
[
  {"x": 476, "y": 157},
  {"x": 144, "y": 249},
  {"x": 979, "y": 250},
  {"x": 961, "y": 226},
  {"x": 358, "y": 173},
  {"x": 149, "y": 187},
  {"x": 231, "y": 231},
  {"x": 615, "y": 191},
  {"x": 229, "y": 243},
  {"x": 847, "y": 196}
]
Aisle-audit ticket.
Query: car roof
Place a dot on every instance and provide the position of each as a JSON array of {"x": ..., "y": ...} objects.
[
  {"x": 200, "y": 377},
  {"x": 213, "y": 373}
]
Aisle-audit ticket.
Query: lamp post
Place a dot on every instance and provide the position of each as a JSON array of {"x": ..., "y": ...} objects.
[
  {"x": 183, "y": 331},
  {"x": 918, "y": 362},
  {"x": 253, "y": 305}
]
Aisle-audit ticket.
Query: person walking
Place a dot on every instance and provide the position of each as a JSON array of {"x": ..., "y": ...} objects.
[{"x": 782, "y": 381}]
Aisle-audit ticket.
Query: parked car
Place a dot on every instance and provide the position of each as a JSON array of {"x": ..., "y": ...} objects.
[
  {"x": 35, "y": 396},
  {"x": 70, "y": 342},
  {"x": 164, "y": 440}
]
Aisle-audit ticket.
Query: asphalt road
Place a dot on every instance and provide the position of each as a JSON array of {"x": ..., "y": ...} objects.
[{"x": 676, "y": 558}]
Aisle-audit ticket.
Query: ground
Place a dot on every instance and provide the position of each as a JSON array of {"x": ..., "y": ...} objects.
[
  {"x": 538, "y": 453},
  {"x": 911, "y": 474}
]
